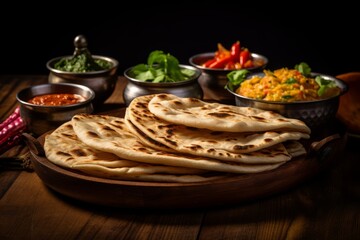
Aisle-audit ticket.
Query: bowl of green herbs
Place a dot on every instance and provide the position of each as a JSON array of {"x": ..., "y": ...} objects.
[
  {"x": 162, "y": 73},
  {"x": 94, "y": 71}
]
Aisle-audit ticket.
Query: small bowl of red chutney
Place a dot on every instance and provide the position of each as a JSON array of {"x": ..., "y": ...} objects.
[{"x": 45, "y": 107}]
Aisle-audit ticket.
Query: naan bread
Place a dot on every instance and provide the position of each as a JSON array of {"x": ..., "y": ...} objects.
[
  {"x": 193, "y": 112},
  {"x": 110, "y": 134},
  {"x": 275, "y": 154},
  {"x": 148, "y": 141},
  {"x": 203, "y": 142},
  {"x": 64, "y": 148},
  {"x": 295, "y": 148}
]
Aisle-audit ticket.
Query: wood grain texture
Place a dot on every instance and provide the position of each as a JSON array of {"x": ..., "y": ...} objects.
[{"x": 179, "y": 195}]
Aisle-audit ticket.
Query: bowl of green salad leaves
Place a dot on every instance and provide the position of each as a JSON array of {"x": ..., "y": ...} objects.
[
  {"x": 94, "y": 71},
  {"x": 162, "y": 73}
]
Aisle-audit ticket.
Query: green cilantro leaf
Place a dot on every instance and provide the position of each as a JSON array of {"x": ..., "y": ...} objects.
[
  {"x": 236, "y": 77},
  {"x": 290, "y": 80},
  {"x": 161, "y": 67},
  {"x": 303, "y": 68},
  {"x": 324, "y": 85}
]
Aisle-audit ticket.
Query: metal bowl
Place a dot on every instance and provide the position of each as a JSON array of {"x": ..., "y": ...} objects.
[
  {"x": 40, "y": 118},
  {"x": 215, "y": 80},
  {"x": 188, "y": 88},
  {"x": 217, "y": 77},
  {"x": 314, "y": 113},
  {"x": 102, "y": 82}
]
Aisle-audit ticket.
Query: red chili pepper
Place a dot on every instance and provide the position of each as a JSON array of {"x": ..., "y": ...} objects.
[
  {"x": 221, "y": 62},
  {"x": 235, "y": 51},
  {"x": 221, "y": 52},
  {"x": 244, "y": 56},
  {"x": 230, "y": 65},
  {"x": 14, "y": 115},
  {"x": 209, "y": 62}
]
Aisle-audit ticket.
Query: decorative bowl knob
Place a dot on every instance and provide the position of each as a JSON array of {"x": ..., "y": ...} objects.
[{"x": 80, "y": 44}]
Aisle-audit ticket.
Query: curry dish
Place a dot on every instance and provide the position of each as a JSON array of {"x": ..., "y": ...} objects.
[
  {"x": 284, "y": 85},
  {"x": 57, "y": 99}
]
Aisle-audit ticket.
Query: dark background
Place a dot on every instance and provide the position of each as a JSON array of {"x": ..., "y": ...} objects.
[{"x": 327, "y": 40}]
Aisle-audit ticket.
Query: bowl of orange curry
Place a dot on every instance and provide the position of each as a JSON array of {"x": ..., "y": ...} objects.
[
  {"x": 293, "y": 92},
  {"x": 45, "y": 107}
]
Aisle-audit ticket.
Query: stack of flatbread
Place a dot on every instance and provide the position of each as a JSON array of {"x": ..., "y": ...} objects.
[{"x": 166, "y": 138}]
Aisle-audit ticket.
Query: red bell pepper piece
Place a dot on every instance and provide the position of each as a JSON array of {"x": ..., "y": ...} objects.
[
  {"x": 208, "y": 62},
  {"x": 235, "y": 51},
  {"x": 222, "y": 52},
  {"x": 220, "y": 63},
  {"x": 244, "y": 56},
  {"x": 230, "y": 65}
]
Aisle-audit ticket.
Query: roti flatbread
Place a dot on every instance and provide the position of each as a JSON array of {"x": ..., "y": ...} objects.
[
  {"x": 194, "y": 112},
  {"x": 275, "y": 154},
  {"x": 64, "y": 148},
  {"x": 295, "y": 148},
  {"x": 110, "y": 134},
  {"x": 203, "y": 142},
  {"x": 148, "y": 141}
]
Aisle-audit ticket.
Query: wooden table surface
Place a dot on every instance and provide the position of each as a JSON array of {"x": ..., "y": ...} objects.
[{"x": 325, "y": 207}]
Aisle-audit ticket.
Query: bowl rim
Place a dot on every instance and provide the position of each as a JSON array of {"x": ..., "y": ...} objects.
[
  {"x": 340, "y": 83},
  {"x": 50, "y": 63},
  {"x": 212, "y": 54},
  {"x": 164, "y": 84},
  {"x": 79, "y": 86}
]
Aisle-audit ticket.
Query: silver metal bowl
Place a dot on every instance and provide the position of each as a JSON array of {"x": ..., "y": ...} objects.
[
  {"x": 215, "y": 80},
  {"x": 314, "y": 113},
  {"x": 102, "y": 82},
  {"x": 40, "y": 118},
  {"x": 217, "y": 77},
  {"x": 188, "y": 88}
]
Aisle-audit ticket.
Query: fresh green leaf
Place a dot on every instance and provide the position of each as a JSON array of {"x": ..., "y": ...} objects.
[
  {"x": 290, "y": 80},
  {"x": 144, "y": 76},
  {"x": 159, "y": 78},
  {"x": 173, "y": 68},
  {"x": 139, "y": 68},
  {"x": 155, "y": 57},
  {"x": 82, "y": 63},
  {"x": 303, "y": 68},
  {"x": 324, "y": 84},
  {"x": 287, "y": 97},
  {"x": 161, "y": 67},
  {"x": 236, "y": 77},
  {"x": 187, "y": 72}
]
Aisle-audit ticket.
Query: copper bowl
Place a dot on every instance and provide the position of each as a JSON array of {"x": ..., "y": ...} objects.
[{"x": 315, "y": 114}]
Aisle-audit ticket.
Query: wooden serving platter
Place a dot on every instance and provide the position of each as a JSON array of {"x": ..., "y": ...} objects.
[{"x": 323, "y": 151}]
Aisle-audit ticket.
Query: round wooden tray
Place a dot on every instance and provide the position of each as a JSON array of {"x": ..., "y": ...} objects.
[{"x": 322, "y": 153}]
